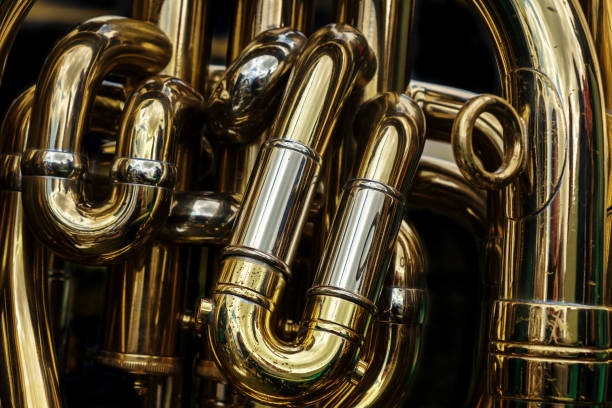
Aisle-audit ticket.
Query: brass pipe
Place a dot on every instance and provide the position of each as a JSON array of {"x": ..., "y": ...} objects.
[
  {"x": 256, "y": 264},
  {"x": 12, "y": 14},
  {"x": 544, "y": 345},
  {"x": 599, "y": 17},
  {"x": 393, "y": 345},
  {"x": 28, "y": 362},
  {"x": 146, "y": 291},
  {"x": 242, "y": 104},
  {"x": 52, "y": 165},
  {"x": 252, "y": 18}
]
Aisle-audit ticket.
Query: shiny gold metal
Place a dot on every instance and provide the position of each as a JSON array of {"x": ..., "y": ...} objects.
[
  {"x": 12, "y": 14},
  {"x": 253, "y": 17},
  {"x": 552, "y": 271},
  {"x": 29, "y": 373},
  {"x": 53, "y": 166},
  {"x": 146, "y": 291},
  {"x": 393, "y": 347},
  {"x": 513, "y": 162},
  {"x": 242, "y": 105}
]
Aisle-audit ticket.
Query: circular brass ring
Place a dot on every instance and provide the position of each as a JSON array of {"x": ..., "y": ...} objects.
[{"x": 513, "y": 161}]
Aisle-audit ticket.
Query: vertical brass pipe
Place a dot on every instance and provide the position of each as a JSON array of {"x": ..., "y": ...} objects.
[
  {"x": 392, "y": 348},
  {"x": 27, "y": 362},
  {"x": 256, "y": 264},
  {"x": 146, "y": 291},
  {"x": 252, "y": 18},
  {"x": 599, "y": 17},
  {"x": 546, "y": 344},
  {"x": 12, "y": 14}
]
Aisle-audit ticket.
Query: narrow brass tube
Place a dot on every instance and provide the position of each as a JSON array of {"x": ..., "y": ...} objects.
[
  {"x": 52, "y": 165},
  {"x": 335, "y": 60},
  {"x": 393, "y": 346},
  {"x": 545, "y": 346},
  {"x": 12, "y": 14},
  {"x": 201, "y": 218},
  {"x": 28, "y": 369},
  {"x": 599, "y": 17}
]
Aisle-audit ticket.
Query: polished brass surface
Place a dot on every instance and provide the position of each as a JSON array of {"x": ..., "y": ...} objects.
[
  {"x": 393, "y": 347},
  {"x": 553, "y": 244},
  {"x": 513, "y": 162},
  {"x": 314, "y": 152},
  {"x": 239, "y": 108},
  {"x": 53, "y": 166},
  {"x": 253, "y": 17},
  {"x": 27, "y": 352}
]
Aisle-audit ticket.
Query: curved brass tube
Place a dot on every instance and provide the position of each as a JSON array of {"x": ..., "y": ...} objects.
[
  {"x": 28, "y": 370},
  {"x": 256, "y": 265},
  {"x": 253, "y": 17},
  {"x": 394, "y": 343},
  {"x": 12, "y": 14},
  {"x": 544, "y": 345},
  {"x": 242, "y": 104},
  {"x": 599, "y": 17},
  {"x": 52, "y": 165}
]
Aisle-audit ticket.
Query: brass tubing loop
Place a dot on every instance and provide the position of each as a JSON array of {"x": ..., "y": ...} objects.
[
  {"x": 256, "y": 264},
  {"x": 146, "y": 291},
  {"x": 29, "y": 373},
  {"x": 391, "y": 350},
  {"x": 142, "y": 173}
]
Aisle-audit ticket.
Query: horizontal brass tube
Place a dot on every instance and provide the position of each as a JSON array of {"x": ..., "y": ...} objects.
[
  {"x": 28, "y": 369},
  {"x": 142, "y": 173},
  {"x": 256, "y": 264},
  {"x": 201, "y": 218}
]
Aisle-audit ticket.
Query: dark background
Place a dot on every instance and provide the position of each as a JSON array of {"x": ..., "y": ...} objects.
[{"x": 449, "y": 48}]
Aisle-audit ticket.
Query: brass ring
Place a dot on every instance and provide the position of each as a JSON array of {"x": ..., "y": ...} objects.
[{"x": 513, "y": 162}]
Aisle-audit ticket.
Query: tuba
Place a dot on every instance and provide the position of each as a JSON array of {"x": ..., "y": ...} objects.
[{"x": 244, "y": 213}]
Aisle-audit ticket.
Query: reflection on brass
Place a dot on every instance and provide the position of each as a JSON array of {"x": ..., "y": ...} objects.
[
  {"x": 28, "y": 368},
  {"x": 293, "y": 120}
]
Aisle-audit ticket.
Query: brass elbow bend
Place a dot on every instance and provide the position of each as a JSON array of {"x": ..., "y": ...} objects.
[
  {"x": 142, "y": 173},
  {"x": 257, "y": 262}
]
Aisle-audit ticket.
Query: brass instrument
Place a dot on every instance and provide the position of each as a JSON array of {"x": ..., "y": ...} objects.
[{"x": 251, "y": 219}]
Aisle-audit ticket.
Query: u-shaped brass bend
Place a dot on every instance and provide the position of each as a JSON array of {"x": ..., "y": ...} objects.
[
  {"x": 143, "y": 173},
  {"x": 257, "y": 263}
]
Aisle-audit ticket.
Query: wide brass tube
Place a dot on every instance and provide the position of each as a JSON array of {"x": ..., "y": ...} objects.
[
  {"x": 547, "y": 344},
  {"x": 52, "y": 165},
  {"x": 28, "y": 369},
  {"x": 599, "y": 17},
  {"x": 393, "y": 346},
  {"x": 335, "y": 60}
]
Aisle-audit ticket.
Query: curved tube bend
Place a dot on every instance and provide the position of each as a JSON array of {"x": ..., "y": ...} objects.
[
  {"x": 257, "y": 262},
  {"x": 545, "y": 346},
  {"x": 341, "y": 302},
  {"x": 142, "y": 175}
]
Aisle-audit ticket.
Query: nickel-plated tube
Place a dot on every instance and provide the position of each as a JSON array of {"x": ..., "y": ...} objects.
[{"x": 393, "y": 346}]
